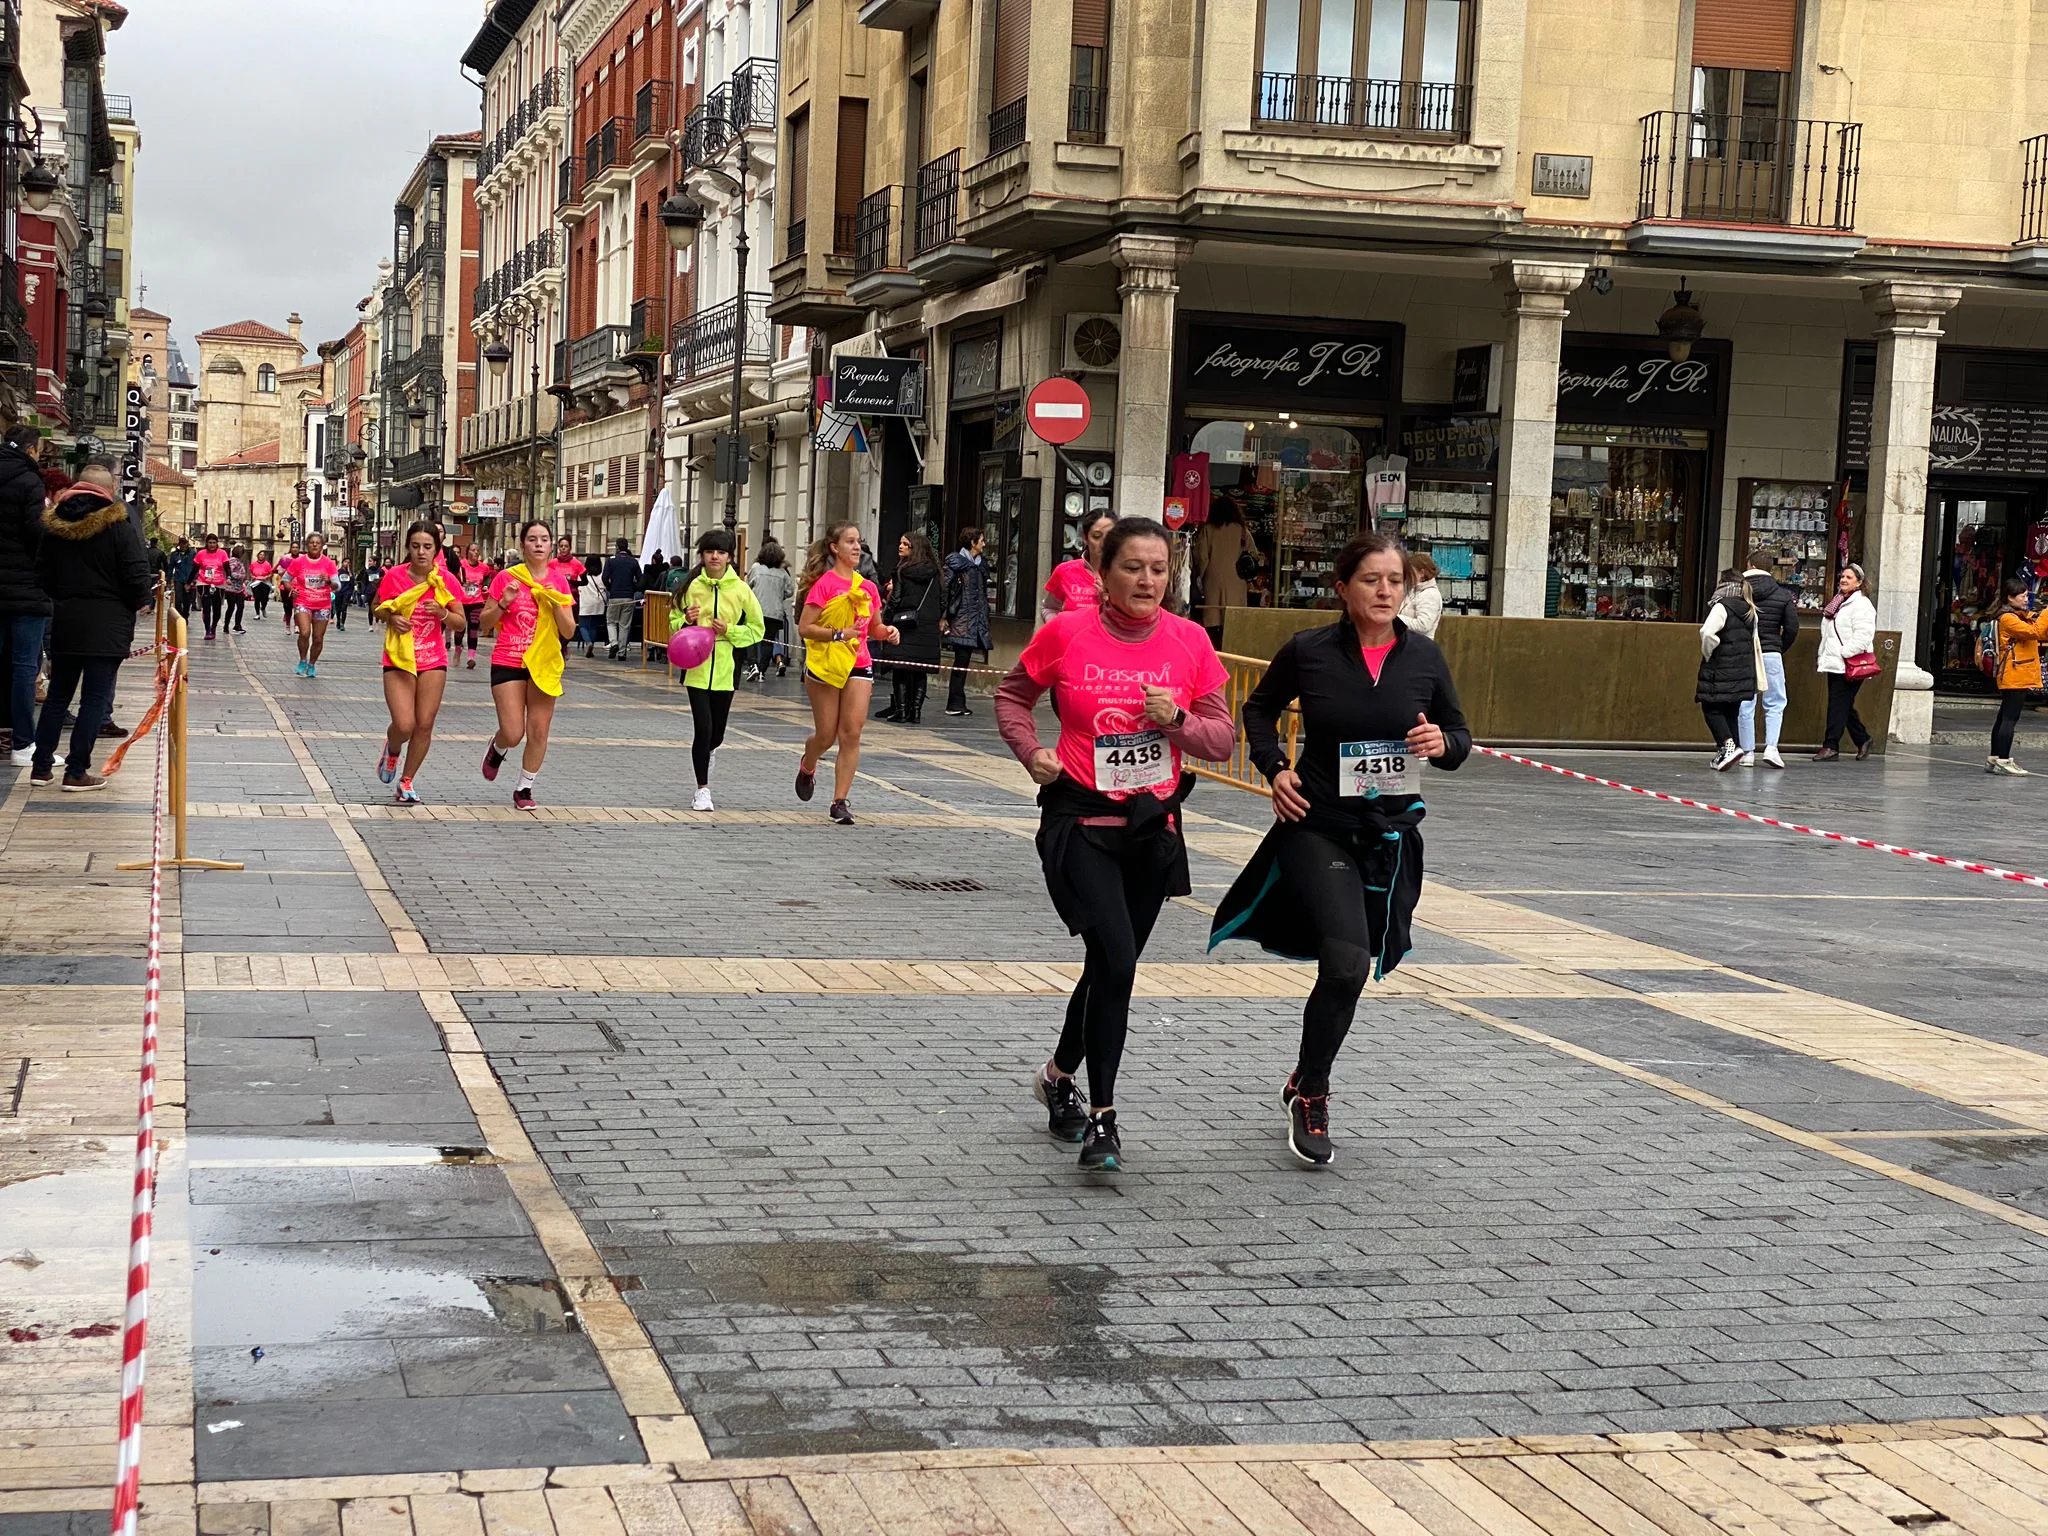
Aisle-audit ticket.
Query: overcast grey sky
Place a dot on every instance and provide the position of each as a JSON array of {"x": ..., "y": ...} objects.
[{"x": 275, "y": 136}]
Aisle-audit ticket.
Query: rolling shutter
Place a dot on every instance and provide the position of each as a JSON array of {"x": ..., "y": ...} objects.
[
  {"x": 1091, "y": 23},
  {"x": 850, "y": 174},
  {"x": 1013, "y": 52},
  {"x": 1745, "y": 34},
  {"x": 799, "y": 164}
]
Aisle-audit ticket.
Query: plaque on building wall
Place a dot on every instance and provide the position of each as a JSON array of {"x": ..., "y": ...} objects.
[
  {"x": 1233, "y": 362},
  {"x": 1562, "y": 176},
  {"x": 1626, "y": 384},
  {"x": 1467, "y": 443}
]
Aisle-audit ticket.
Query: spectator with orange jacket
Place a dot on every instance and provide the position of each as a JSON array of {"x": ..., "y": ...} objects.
[{"x": 2017, "y": 670}]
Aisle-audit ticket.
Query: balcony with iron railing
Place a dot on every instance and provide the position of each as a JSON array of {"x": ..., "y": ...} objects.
[
  {"x": 569, "y": 190},
  {"x": 1424, "y": 109},
  {"x": 653, "y": 117},
  {"x": 420, "y": 360},
  {"x": 1006, "y": 127},
  {"x": 606, "y": 153},
  {"x": 704, "y": 343},
  {"x": 938, "y": 202},
  {"x": 416, "y": 465},
  {"x": 589, "y": 356},
  {"x": 2034, "y": 189},
  {"x": 1785, "y": 186},
  {"x": 1087, "y": 113},
  {"x": 646, "y": 325},
  {"x": 753, "y": 95}
]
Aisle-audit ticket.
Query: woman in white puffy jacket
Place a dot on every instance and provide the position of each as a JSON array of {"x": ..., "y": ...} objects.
[{"x": 1848, "y": 627}]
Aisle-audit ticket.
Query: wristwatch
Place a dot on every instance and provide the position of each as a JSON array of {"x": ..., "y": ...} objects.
[{"x": 1180, "y": 718}]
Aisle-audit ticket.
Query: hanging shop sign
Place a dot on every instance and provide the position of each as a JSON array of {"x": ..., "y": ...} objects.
[
  {"x": 1253, "y": 363},
  {"x": 878, "y": 386},
  {"x": 490, "y": 505},
  {"x": 977, "y": 367},
  {"x": 1466, "y": 443},
  {"x": 1632, "y": 384}
]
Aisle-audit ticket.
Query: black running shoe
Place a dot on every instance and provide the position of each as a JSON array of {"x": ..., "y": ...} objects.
[
  {"x": 1066, "y": 1117},
  {"x": 806, "y": 781},
  {"x": 1102, "y": 1150},
  {"x": 842, "y": 813},
  {"x": 1308, "y": 1127}
]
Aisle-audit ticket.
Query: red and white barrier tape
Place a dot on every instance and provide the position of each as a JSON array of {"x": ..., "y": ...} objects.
[
  {"x": 1993, "y": 870},
  {"x": 142, "y": 1217}
]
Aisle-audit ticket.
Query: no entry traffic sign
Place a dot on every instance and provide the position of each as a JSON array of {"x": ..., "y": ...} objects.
[{"x": 1058, "y": 411}]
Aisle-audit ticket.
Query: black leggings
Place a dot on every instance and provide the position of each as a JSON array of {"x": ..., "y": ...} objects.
[
  {"x": 2010, "y": 702},
  {"x": 1326, "y": 881},
  {"x": 1123, "y": 892},
  {"x": 956, "y": 684},
  {"x": 261, "y": 592},
  {"x": 708, "y": 710},
  {"x": 1721, "y": 721},
  {"x": 233, "y": 615},
  {"x": 472, "y": 616},
  {"x": 210, "y": 599}
]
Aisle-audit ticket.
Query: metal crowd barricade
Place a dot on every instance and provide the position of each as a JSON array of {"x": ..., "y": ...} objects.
[
  {"x": 1237, "y": 770},
  {"x": 656, "y": 625}
]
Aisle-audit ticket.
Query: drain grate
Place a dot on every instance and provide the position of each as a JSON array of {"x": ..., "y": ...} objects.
[{"x": 941, "y": 887}]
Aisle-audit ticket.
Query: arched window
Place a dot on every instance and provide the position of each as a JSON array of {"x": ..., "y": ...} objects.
[{"x": 266, "y": 380}]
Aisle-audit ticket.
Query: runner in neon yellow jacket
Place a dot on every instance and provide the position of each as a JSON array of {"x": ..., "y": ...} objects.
[{"x": 719, "y": 600}]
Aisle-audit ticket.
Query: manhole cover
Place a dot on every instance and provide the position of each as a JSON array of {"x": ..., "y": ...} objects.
[{"x": 945, "y": 887}]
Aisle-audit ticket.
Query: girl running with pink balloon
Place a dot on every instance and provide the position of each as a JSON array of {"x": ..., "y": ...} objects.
[{"x": 721, "y": 617}]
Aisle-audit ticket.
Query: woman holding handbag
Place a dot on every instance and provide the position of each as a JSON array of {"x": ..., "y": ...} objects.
[
  {"x": 915, "y": 597},
  {"x": 1848, "y": 658}
]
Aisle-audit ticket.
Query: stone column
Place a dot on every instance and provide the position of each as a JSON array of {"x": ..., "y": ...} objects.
[
  {"x": 1895, "y": 506},
  {"x": 1144, "y": 405},
  {"x": 1536, "y": 312}
]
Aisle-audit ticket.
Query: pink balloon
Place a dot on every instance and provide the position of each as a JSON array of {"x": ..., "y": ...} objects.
[{"x": 690, "y": 647}]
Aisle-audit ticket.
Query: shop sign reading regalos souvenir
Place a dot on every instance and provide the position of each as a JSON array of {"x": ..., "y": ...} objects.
[{"x": 1226, "y": 363}]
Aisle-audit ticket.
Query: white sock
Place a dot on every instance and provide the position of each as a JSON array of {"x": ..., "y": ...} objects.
[{"x": 526, "y": 779}]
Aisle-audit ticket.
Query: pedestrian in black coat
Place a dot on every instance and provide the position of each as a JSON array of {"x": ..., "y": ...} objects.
[
  {"x": 24, "y": 605},
  {"x": 93, "y": 566},
  {"x": 1731, "y": 659},
  {"x": 916, "y": 597}
]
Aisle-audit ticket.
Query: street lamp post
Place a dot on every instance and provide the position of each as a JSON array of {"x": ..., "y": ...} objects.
[
  {"x": 499, "y": 357},
  {"x": 683, "y": 217}
]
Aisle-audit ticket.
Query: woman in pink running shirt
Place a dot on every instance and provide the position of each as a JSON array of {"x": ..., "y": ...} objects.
[
  {"x": 1076, "y": 583},
  {"x": 525, "y": 701},
  {"x": 261, "y": 571},
  {"x": 313, "y": 578},
  {"x": 837, "y": 611},
  {"x": 414, "y": 695},
  {"x": 475, "y": 575},
  {"x": 1135, "y": 688},
  {"x": 210, "y": 567}
]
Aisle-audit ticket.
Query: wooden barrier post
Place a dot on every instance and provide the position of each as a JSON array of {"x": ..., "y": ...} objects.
[{"x": 172, "y": 628}]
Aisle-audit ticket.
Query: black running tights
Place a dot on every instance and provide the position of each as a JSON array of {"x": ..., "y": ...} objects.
[
  {"x": 708, "y": 710},
  {"x": 1326, "y": 882},
  {"x": 210, "y": 601},
  {"x": 1124, "y": 892}
]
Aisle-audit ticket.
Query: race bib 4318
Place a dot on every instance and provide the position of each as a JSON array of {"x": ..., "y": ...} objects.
[{"x": 1368, "y": 769}]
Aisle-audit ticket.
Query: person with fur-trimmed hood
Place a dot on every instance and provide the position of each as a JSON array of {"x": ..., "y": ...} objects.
[{"x": 93, "y": 566}]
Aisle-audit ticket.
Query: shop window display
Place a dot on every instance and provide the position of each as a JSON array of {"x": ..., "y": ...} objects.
[
  {"x": 1299, "y": 484},
  {"x": 1621, "y": 521},
  {"x": 1787, "y": 528}
]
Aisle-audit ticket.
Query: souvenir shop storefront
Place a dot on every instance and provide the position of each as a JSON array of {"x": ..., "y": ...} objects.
[
  {"x": 1285, "y": 425},
  {"x": 1987, "y": 491},
  {"x": 1633, "y": 482}
]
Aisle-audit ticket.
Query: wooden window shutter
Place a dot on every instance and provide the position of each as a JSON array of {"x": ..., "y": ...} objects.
[
  {"x": 614, "y": 477},
  {"x": 1745, "y": 34},
  {"x": 850, "y": 174},
  {"x": 1091, "y": 23},
  {"x": 632, "y": 483},
  {"x": 799, "y": 164},
  {"x": 1013, "y": 52}
]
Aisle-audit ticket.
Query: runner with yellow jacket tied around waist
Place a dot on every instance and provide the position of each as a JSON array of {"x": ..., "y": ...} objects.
[
  {"x": 530, "y": 609},
  {"x": 838, "y": 611},
  {"x": 716, "y": 599},
  {"x": 418, "y": 606}
]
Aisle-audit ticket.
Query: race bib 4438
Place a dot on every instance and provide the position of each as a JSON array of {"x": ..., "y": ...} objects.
[{"x": 1133, "y": 760}]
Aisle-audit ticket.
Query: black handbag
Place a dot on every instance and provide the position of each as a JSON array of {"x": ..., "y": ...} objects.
[
  {"x": 1247, "y": 565},
  {"x": 902, "y": 615}
]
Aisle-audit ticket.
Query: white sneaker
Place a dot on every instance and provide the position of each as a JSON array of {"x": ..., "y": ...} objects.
[
  {"x": 2009, "y": 768},
  {"x": 703, "y": 800},
  {"x": 1746, "y": 759},
  {"x": 751, "y": 675},
  {"x": 1729, "y": 756},
  {"x": 1771, "y": 758},
  {"x": 23, "y": 757}
]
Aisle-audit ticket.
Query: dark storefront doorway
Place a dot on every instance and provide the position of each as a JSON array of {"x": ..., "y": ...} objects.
[{"x": 1977, "y": 536}]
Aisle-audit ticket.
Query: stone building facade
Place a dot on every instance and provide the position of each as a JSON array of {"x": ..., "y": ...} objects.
[
  {"x": 1606, "y": 291},
  {"x": 254, "y": 392}
]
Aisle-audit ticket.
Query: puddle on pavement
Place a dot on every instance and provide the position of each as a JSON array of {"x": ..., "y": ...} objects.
[
  {"x": 1046, "y": 1320},
  {"x": 320, "y": 1152},
  {"x": 266, "y": 1297}
]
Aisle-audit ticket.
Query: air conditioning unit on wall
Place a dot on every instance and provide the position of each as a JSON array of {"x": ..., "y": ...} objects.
[{"x": 1094, "y": 343}]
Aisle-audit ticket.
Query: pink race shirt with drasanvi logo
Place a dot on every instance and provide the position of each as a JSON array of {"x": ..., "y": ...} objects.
[
  {"x": 313, "y": 581},
  {"x": 1101, "y": 683},
  {"x": 429, "y": 639},
  {"x": 473, "y": 582},
  {"x": 1073, "y": 583},
  {"x": 213, "y": 567},
  {"x": 829, "y": 586},
  {"x": 516, "y": 629},
  {"x": 259, "y": 570}
]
